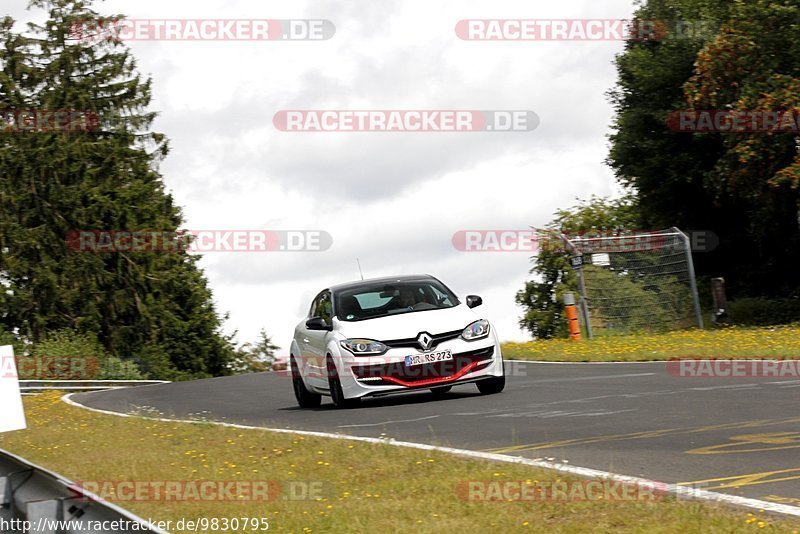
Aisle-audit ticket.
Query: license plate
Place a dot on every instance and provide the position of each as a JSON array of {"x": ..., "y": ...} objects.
[{"x": 430, "y": 357}]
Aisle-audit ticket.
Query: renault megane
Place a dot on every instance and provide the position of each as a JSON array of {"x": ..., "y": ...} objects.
[{"x": 390, "y": 335}]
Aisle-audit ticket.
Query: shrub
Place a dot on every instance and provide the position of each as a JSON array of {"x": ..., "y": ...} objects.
[
  {"x": 113, "y": 368},
  {"x": 763, "y": 312},
  {"x": 63, "y": 355},
  {"x": 70, "y": 355}
]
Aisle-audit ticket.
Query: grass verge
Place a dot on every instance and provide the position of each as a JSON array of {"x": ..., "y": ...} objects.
[
  {"x": 367, "y": 487},
  {"x": 734, "y": 342}
]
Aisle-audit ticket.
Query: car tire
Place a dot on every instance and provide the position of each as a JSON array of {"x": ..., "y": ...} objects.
[
  {"x": 441, "y": 390},
  {"x": 305, "y": 398},
  {"x": 490, "y": 386},
  {"x": 337, "y": 395}
]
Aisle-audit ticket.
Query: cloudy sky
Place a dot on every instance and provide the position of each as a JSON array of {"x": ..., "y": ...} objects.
[{"x": 393, "y": 200}]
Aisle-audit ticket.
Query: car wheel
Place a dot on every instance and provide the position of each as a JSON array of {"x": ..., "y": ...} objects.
[
  {"x": 305, "y": 398},
  {"x": 490, "y": 386},
  {"x": 337, "y": 395},
  {"x": 438, "y": 392}
]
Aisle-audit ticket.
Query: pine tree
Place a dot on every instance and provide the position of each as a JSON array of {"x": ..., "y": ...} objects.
[{"x": 155, "y": 308}]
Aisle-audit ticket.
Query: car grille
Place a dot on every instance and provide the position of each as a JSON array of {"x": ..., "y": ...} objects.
[
  {"x": 392, "y": 374},
  {"x": 412, "y": 343}
]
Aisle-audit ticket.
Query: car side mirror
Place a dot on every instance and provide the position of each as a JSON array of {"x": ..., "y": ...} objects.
[
  {"x": 318, "y": 323},
  {"x": 473, "y": 301}
]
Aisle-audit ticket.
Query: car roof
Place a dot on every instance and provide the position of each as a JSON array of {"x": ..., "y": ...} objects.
[{"x": 385, "y": 279}]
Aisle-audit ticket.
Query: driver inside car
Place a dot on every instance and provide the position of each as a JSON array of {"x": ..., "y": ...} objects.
[{"x": 407, "y": 298}]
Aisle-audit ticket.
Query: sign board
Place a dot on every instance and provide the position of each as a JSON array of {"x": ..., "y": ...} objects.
[
  {"x": 602, "y": 259},
  {"x": 576, "y": 262},
  {"x": 12, "y": 416}
]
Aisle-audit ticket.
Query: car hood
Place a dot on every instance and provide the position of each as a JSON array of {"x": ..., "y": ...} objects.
[{"x": 408, "y": 325}]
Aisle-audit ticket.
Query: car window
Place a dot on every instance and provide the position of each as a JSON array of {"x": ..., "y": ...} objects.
[
  {"x": 323, "y": 307},
  {"x": 373, "y": 300},
  {"x": 443, "y": 297}
]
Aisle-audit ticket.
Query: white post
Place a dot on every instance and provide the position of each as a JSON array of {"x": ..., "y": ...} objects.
[{"x": 12, "y": 416}]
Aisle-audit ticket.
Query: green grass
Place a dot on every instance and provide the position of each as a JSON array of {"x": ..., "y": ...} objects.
[
  {"x": 734, "y": 342},
  {"x": 369, "y": 487}
]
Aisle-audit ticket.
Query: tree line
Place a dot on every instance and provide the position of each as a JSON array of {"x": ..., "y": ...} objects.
[{"x": 740, "y": 185}]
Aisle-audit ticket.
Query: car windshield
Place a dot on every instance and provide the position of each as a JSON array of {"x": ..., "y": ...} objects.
[{"x": 370, "y": 301}]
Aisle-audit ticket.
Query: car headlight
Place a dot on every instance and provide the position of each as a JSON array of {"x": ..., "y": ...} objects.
[
  {"x": 364, "y": 347},
  {"x": 477, "y": 330}
]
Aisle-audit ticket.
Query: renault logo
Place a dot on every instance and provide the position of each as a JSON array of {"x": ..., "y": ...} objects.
[{"x": 425, "y": 341}]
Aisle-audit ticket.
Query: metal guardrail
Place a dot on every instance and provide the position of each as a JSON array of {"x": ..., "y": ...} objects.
[
  {"x": 37, "y": 386},
  {"x": 51, "y": 504}
]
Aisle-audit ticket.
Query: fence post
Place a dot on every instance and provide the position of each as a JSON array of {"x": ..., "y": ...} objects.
[
  {"x": 584, "y": 306},
  {"x": 720, "y": 313},
  {"x": 687, "y": 245}
]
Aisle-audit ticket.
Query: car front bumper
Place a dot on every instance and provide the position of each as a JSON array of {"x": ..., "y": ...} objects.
[{"x": 386, "y": 374}]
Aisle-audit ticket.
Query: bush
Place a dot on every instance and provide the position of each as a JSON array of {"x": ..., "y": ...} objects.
[
  {"x": 156, "y": 364},
  {"x": 63, "y": 355},
  {"x": 113, "y": 368},
  {"x": 69, "y": 355},
  {"x": 7, "y": 338},
  {"x": 69, "y": 343},
  {"x": 763, "y": 312}
]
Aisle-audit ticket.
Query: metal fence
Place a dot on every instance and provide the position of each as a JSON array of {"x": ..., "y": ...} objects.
[
  {"x": 635, "y": 282},
  {"x": 50, "y": 503}
]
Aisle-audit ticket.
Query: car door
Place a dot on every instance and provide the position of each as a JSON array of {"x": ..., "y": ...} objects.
[
  {"x": 302, "y": 340},
  {"x": 316, "y": 341}
]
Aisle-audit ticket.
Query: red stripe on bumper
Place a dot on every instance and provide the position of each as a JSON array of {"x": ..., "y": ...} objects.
[{"x": 438, "y": 380}]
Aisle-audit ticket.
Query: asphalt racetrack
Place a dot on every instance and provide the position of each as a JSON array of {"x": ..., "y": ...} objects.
[{"x": 732, "y": 435}]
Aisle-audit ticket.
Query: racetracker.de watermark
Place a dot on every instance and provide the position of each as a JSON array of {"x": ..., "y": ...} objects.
[
  {"x": 734, "y": 121},
  {"x": 200, "y": 241},
  {"x": 418, "y": 120},
  {"x": 582, "y": 29},
  {"x": 48, "y": 121},
  {"x": 532, "y": 241},
  {"x": 54, "y": 368},
  {"x": 730, "y": 368},
  {"x": 559, "y": 491},
  {"x": 204, "y": 490},
  {"x": 62, "y": 367},
  {"x": 375, "y": 367},
  {"x": 203, "y": 30}
]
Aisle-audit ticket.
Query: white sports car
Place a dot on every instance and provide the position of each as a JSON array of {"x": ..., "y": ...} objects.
[{"x": 390, "y": 335}]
